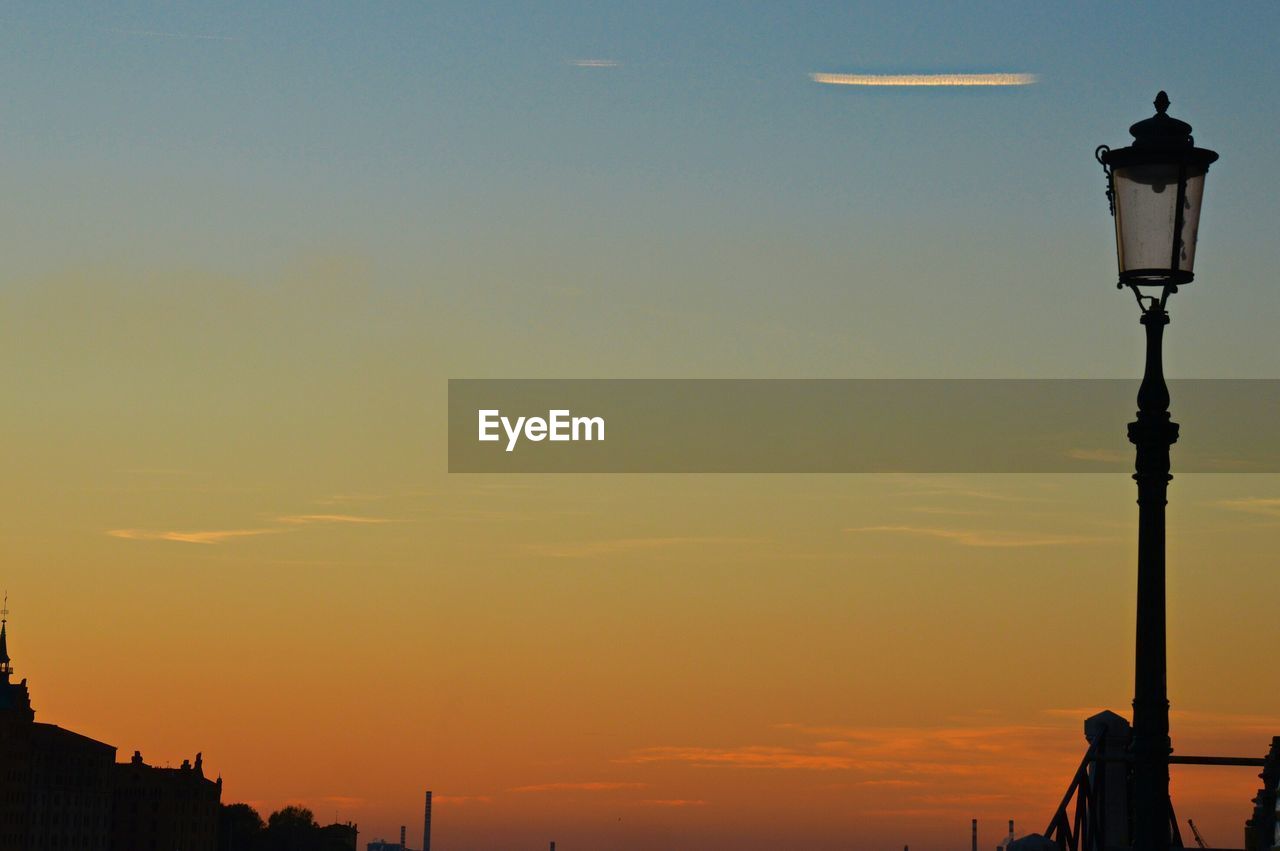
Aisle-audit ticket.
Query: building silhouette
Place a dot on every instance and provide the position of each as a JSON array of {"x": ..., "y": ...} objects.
[
  {"x": 61, "y": 790},
  {"x": 403, "y": 844},
  {"x": 336, "y": 837},
  {"x": 426, "y": 824},
  {"x": 163, "y": 807},
  {"x": 383, "y": 845}
]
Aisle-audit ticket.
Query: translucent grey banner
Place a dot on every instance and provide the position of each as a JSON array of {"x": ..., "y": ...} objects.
[{"x": 848, "y": 426}]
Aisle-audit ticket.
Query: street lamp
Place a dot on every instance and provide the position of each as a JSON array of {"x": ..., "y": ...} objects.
[{"x": 1155, "y": 187}]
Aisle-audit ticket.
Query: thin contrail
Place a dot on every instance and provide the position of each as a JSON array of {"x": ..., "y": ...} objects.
[
  {"x": 925, "y": 79},
  {"x": 594, "y": 63}
]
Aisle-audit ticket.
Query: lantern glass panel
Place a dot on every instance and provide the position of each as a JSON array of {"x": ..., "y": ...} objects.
[{"x": 1146, "y": 198}]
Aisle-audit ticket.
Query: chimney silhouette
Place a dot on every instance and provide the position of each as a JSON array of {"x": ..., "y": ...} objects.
[
  {"x": 975, "y": 835},
  {"x": 426, "y": 824},
  {"x": 402, "y": 845}
]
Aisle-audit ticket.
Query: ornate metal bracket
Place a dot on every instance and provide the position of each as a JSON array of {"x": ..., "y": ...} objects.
[{"x": 1106, "y": 169}]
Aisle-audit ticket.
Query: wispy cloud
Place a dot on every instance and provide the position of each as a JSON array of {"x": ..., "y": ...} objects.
[
  {"x": 217, "y": 536},
  {"x": 594, "y": 63},
  {"x": 924, "y": 79},
  {"x": 1110, "y": 456},
  {"x": 893, "y": 783},
  {"x": 753, "y": 756},
  {"x": 1198, "y": 720},
  {"x": 908, "y": 767},
  {"x": 673, "y": 802},
  {"x": 205, "y": 536},
  {"x": 1248, "y": 722},
  {"x": 586, "y": 786},
  {"x": 1268, "y": 507},
  {"x": 1072, "y": 711},
  {"x": 951, "y": 769},
  {"x": 951, "y": 512},
  {"x": 615, "y": 546},
  {"x": 940, "y": 486},
  {"x": 303, "y": 519},
  {"x": 344, "y": 801},
  {"x": 458, "y": 800},
  {"x": 346, "y": 498},
  {"x": 978, "y": 538}
]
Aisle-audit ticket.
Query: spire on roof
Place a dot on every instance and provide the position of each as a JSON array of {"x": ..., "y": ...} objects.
[{"x": 6, "y": 669}]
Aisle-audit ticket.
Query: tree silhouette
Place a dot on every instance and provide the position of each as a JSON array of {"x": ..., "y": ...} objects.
[
  {"x": 293, "y": 828},
  {"x": 295, "y": 818},
  {"x": 239, "y": 828}
]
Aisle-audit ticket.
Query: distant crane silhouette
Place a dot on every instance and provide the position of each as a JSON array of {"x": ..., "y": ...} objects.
[{"x": 1196, "y": 834}]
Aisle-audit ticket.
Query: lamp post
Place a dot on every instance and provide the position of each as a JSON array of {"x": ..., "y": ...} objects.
[{"x": 1155, "y": 187}]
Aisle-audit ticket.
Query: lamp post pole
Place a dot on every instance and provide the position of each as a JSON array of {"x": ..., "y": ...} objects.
[
  {"x": 1155, "y": 187},
  {"x": 1152, "y": 434}
]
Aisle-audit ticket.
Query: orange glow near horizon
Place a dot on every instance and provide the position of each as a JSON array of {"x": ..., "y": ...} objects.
[
  {"x": 707, "y": 659},
  {"x": 251, "y": 550}
]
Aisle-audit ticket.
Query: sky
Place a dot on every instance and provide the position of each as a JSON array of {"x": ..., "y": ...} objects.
[{"x": 247, "y": 244}]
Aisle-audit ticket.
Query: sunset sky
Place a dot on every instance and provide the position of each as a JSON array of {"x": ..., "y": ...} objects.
[{"x": 247, "y": 244}]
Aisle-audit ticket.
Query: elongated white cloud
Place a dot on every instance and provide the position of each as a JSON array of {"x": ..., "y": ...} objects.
[
  {"x": 594, "y": 63},
  {"x": 204, "y": 536},
  {"x": 924, "y": 79}
]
